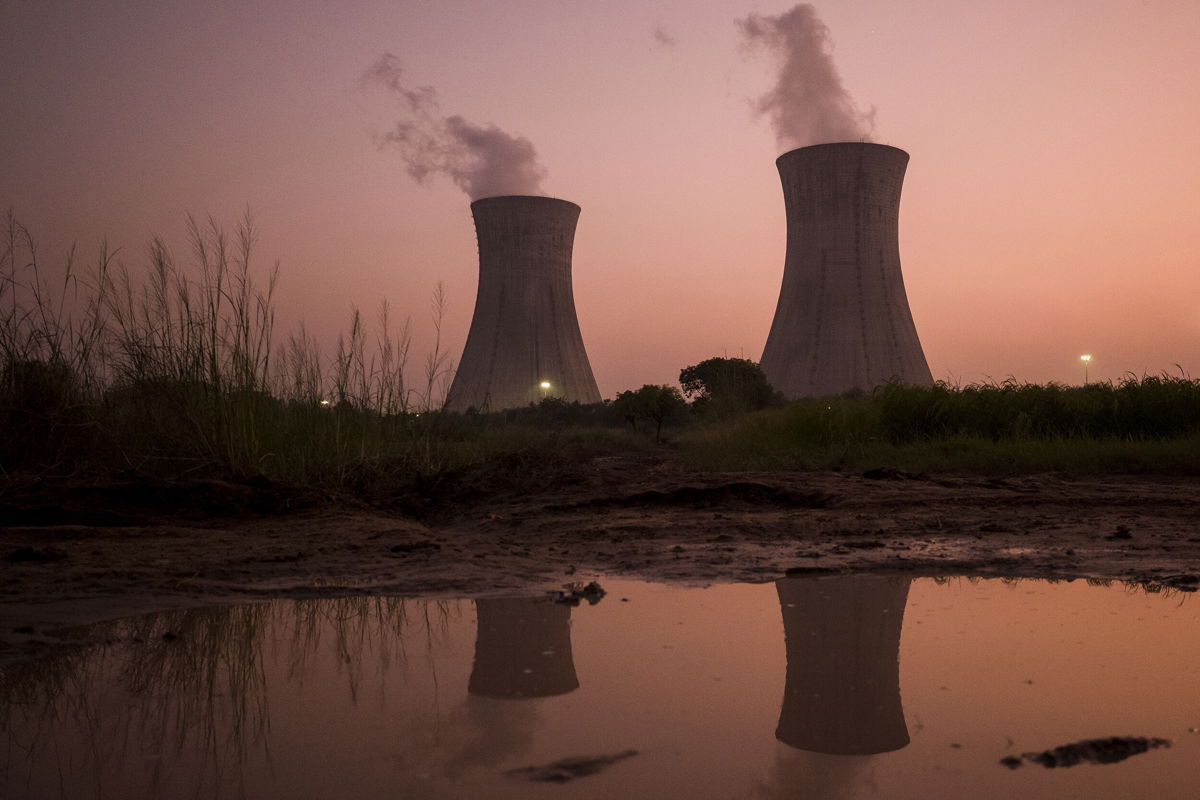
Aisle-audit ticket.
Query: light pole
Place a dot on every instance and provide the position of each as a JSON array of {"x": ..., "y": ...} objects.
[
  {"x": 545, "y": 387},
  {"x": 1085, "y": 358}
]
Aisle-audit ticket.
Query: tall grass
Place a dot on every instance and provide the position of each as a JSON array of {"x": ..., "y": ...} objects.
[
  {"x": 1149, "y": 407},
  {"x": 1146, "y": 424},
  {"x": 174, "y": 368}
]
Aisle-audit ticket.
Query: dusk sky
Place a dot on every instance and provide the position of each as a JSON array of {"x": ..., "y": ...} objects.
[{"x": 1051, "y": 206}]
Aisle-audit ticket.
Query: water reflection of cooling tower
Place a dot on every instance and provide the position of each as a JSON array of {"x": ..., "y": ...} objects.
[
  {"x": 843, "y": 320},
  {"x": 522, "y": 649},
  {"x": 842, "y": 695},
  {"x": 524, "y": 343}
]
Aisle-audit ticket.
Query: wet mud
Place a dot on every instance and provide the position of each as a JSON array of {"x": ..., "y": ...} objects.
[
  {"x": 1112, "y": 750},
  {"x": 568, "y": 769},
  {"x": 73, "y": 555}
]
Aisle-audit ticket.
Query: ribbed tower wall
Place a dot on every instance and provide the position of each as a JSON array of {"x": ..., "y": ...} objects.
[
  {"x": 843, "y": 320},
  {"x": 524, "y": 331}
]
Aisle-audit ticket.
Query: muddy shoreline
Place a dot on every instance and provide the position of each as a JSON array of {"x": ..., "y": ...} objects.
[{"x": 78, "y": 554}]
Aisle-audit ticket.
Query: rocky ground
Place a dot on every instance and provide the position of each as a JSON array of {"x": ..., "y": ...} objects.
[{"x": 73, "y": 553}]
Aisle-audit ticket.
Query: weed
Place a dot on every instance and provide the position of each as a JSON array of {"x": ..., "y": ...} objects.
[{"x": 1147, "y": 424}]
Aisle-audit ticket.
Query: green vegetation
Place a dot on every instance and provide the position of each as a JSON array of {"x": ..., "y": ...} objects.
[
  {"x": 656, "y": 403},
  {"x": 177, "y": 370},
  {"x": 724, "y": 388},
  {"x": 1149, "y": 424}
]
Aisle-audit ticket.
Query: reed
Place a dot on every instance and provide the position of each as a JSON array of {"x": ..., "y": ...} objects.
[
  {"x": 1140, "y": 424},
  {"x": 174, "y": 368}
]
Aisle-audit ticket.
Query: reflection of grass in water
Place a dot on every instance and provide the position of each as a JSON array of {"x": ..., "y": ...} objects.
[
  {"x": 192, "y": 684},
  {"x": 1166, "y": 592},
  {"x": 187, "y": 682},
  {"x": 205, "y": 684},
  {"x": 363, "y": 626},
  {"x": 1131, "y": 587}
]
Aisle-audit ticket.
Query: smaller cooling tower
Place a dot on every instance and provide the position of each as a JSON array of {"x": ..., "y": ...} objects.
[
  {"x": 843, "y": 321},
  {"x": 524, "y": 343}
]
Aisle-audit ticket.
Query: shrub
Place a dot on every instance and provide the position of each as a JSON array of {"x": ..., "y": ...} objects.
[
  {"x": 727, "y": 387},
  {"x": 656, "y": 403}
]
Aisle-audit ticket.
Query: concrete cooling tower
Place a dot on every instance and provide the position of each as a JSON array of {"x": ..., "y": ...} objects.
[
  {"x": 842, "y": 321},
  {"x": 524, "y": 344}
]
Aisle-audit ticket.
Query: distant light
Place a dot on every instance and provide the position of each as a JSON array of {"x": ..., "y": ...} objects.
[
  {"x": 1085, "y": 357},
  {"x": 545, "y": 384},
  {"x": 325, "y": 403}
]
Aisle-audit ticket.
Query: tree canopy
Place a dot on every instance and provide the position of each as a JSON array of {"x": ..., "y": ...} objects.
[
  {"x": 657, "y": 403},
  {"x": 723, "y": 387}
]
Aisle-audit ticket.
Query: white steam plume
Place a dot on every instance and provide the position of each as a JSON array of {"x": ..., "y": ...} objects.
[
  {"x": 482, "y": 160},
  {"x": 663, "y": 37},
  {"x": 808, "y": 104}
]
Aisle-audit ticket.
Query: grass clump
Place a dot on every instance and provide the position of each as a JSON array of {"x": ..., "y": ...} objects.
[
  {"x": 176, "y": 369},
  {"x": 1149, "y": 424}
]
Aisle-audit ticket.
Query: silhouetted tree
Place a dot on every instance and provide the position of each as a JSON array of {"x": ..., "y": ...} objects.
[
  {"x": 626, "y": 404},
  {"x": 724, "y": 387},
  {"x": 657, "y": 403}
]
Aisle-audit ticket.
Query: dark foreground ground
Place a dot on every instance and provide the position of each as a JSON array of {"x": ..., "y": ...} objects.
[{"x": 77, "y": 553}]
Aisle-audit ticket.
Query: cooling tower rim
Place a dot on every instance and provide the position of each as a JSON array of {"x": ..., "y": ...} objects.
[
  {"x": 518, "y": 199},
  {"x": 802, "y": 152}
]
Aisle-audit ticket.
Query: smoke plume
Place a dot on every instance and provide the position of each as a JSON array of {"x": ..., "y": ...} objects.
[
  {"x": 482, "y": 160},
  {"x": 663, "y": 37},
  {"x": 808, "y": 104}
]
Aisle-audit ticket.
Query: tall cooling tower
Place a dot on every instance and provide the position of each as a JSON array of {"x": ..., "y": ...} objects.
[
  {"x": 524, "y": 344},
  {"x": 843, "y": 320}
]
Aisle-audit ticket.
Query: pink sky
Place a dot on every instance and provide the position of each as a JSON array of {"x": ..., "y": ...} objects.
[{"x": 1052, "y": 205}]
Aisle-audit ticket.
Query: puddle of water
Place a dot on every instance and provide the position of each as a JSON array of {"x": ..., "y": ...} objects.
[{"x": 841, "y": 687}]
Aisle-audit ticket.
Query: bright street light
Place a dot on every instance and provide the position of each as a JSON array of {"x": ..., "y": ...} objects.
[
  {"x": 545, "y": 384},
  {"x": 1085, "y": 358}
]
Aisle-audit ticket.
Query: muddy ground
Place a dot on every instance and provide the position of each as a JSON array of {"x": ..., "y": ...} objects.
[{"x": 73, "y": 553}]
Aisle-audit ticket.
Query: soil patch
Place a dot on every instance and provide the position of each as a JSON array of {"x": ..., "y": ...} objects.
[
  {"x": 1090, "y": 751},
  {"x": 569, "y": 769},
  {"x": 537, "y": 527}
]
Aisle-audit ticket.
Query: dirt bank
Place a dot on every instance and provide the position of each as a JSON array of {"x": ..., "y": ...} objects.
[{"x": 71, "y": 554}]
